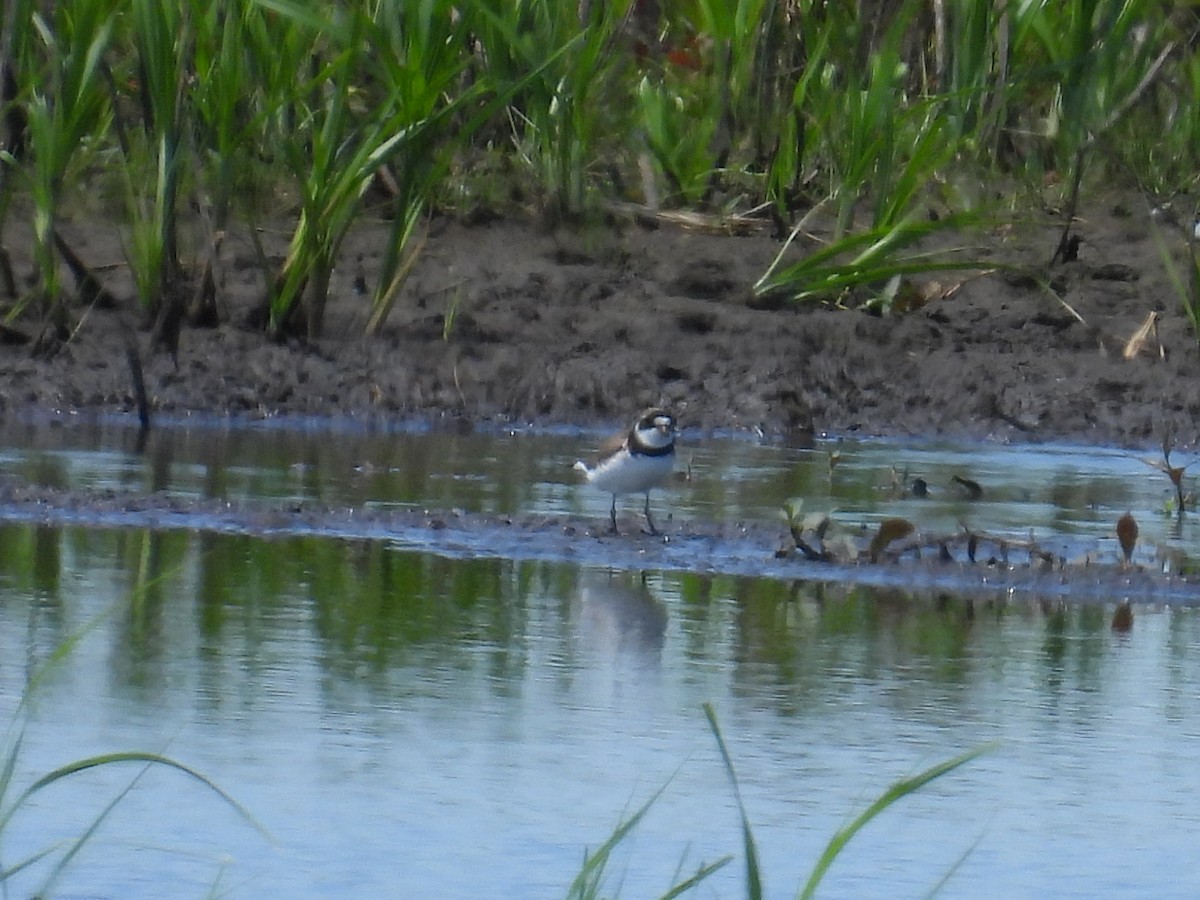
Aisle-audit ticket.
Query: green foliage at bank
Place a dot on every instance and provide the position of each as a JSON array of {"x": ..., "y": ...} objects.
[{"x": 184, "y": 120}]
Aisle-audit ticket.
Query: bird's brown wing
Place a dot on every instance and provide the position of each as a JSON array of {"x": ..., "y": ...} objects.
[{"x": 609, "y": 447}]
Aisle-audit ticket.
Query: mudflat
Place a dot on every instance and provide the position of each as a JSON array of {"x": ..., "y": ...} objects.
[{"x": 511, "y": 321}]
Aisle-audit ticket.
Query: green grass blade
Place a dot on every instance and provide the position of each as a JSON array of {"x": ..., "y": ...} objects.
[
  {"x": 108, "y": 759},
  {"x": 587, "y": 882},
  {"x": 311, "y": 15},
  {"x": 754, "y": 888},
  {"x": 874, "y": 255},
  {"x": 10, "y": 763},
  {"x": 958, "y": 863},
  {"x": 7, "y": 872},
  {"x": 700, "y": 875},
  {"x": 47, "y": 889},
  {"x": 10, "y": 808},
  {"x": 896, "y": 792}
]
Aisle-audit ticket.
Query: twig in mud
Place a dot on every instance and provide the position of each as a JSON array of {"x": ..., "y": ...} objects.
[
  {"x": 1174, "y": 473},
  {"x": 167, "y": 324},
  {"x": 462, "y": 398},
  {"x": 91, "y": 291},
  {"x": 1067, "y": 249},
  {"x": 138, "y": 377},
  {"x": 7, "y": 279},
  {"x": 897, "y": 538}
]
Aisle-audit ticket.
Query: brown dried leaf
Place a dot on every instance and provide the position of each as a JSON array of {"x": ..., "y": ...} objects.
[
  {"x": 953, "y": 289},
  {"x": 908, "y": 297},
  {"x": 1137, "y": 342},
  {"x": 1127, "y": 535},
  {"x": 889, "y": 530}
]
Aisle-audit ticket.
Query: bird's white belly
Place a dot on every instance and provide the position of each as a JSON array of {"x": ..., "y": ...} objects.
[{"x": 625, "y": 473}]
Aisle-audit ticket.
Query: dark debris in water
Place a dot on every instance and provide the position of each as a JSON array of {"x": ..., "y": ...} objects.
[{"x": 763, "y": 549}]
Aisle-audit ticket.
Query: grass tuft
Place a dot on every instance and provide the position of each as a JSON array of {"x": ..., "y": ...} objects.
[{"x": 588, "y": 883}]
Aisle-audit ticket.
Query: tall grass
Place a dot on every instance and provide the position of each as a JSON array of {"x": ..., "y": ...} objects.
[
  {"x": 57, "y": 61},
  {"x": 384, "y": 104},
  {"x": 337, "y": 142},
  {"x": 330, "y": 112},
  {"x": 163, "y": 41},
  {"x": 680, "y": 134},
  {"x": 224, "y": 129},
  {"x": 712, "y": 94},
  {"x": 561, "y": 120}
]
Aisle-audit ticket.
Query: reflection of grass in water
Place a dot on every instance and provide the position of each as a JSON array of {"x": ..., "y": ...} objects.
[
  {"x": 587, "y": 883},
  {"x": 14, "y": 798}
]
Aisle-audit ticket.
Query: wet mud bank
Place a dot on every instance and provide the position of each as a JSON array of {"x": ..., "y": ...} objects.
[{"x": 510, "y": 322}]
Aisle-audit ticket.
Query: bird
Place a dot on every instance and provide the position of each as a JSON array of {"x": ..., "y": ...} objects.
[{"x": 636, "y": 461}]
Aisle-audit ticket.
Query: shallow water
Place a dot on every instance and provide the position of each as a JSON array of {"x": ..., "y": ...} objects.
[
  {"x": 406, "y": 724},
  {"x": 1067, "y": 498}
]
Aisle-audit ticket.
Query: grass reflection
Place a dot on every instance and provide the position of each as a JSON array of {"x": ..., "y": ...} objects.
[{"x": 370, "y": 609}]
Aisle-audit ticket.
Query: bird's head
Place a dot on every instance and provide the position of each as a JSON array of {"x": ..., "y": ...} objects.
[{"x": 655, "y": 427}]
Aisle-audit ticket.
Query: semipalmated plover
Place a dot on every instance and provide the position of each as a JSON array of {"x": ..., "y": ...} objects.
[{"x": 635, "y": 462}]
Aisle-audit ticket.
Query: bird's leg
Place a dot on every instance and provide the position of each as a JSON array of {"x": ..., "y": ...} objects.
[
  {"x": 649, "y": 521},
  {"x": 612, "y": 513}
]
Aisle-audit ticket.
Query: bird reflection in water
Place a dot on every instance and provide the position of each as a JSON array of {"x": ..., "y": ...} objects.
[{"x": 620, "y": 617}]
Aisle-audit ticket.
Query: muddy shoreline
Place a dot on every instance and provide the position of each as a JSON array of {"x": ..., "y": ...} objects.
[{"x": 509, "y": 322}]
